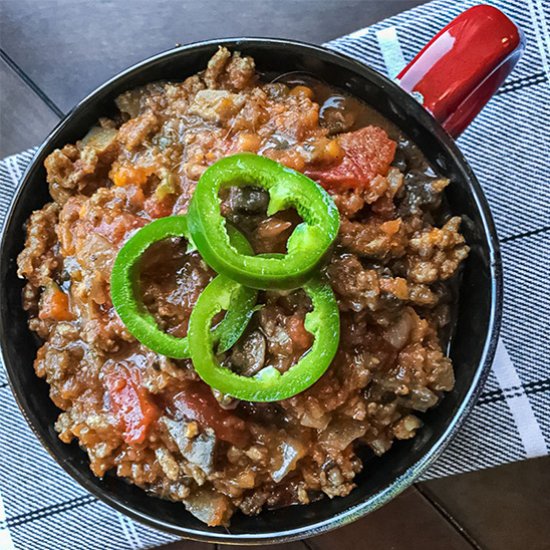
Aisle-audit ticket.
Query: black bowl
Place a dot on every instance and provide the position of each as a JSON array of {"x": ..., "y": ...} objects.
[{"x": 471, "y": 349}]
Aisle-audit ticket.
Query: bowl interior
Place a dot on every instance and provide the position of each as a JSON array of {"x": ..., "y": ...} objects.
[{"x": 471, "y": 348}]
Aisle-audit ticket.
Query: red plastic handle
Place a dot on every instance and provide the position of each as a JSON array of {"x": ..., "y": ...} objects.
[{"x": 461, "y": 68}]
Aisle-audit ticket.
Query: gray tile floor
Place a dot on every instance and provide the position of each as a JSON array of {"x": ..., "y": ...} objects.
[{"x": 54, "y": 52}]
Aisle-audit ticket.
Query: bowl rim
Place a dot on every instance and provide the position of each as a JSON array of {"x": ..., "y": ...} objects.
[{"x": 402, "y": 482}]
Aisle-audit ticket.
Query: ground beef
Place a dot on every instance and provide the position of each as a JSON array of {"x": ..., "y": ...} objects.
[{"x": 392, "y": 269}]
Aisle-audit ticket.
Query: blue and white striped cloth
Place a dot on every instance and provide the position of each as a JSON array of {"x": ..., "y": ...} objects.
[{"x": 508, "y": 145}]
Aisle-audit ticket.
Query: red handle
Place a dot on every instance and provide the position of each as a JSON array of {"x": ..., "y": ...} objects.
[{"x": 461, "y": 68}]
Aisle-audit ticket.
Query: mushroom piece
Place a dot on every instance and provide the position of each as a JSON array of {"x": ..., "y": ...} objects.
[
  {"x": 248, "y": 356},
  {"x": 197, "y": 449}
]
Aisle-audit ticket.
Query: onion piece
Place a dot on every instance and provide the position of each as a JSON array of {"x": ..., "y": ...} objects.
[
  {"x": 289, "y": 452},
  {"x": 198, "y": 450},
  {"x": 398, "y": 333},
  {"x": 210, "y": 507},
  {"x": 341, "y": 432}
]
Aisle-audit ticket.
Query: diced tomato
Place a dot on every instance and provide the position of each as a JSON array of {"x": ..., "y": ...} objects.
[
  {"x": 300, "y": 337},
  {"x": 159, "y": 208},
  {"x": 368, "y": 152},
  {"x": 132, "y": 404},
  {"x": 54, "y": 304},
  {"x": 197, "y": 403}
]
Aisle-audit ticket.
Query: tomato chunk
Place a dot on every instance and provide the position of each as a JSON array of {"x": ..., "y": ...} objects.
[
  {"x": 368, "y": 152},
  {"x": 132, "y": 404},
  {"x": 198, "y": 403},
  {"x": 159, "y": 208},
  {"x": 301, "y": 338},
  {"x": 54, "y": 304}
]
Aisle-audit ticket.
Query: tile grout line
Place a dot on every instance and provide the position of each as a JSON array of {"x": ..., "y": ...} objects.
[
  {"x": 449, "y": 519},
  {"x": 30, "y": 83}
]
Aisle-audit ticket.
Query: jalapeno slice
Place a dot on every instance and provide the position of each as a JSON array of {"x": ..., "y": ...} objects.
[
  {"x": 125, "y": 293},
  {"x": 323, "y": 322},
  {"x": 306, "y": 247}
]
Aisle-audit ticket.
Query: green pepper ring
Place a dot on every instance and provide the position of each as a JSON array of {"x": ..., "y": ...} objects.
[
  {"x": 140, "y": 323},
  {"x": 306, "y": 247},
  {"x": 269, "y": 384}
]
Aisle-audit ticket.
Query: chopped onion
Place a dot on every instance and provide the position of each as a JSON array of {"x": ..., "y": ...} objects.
[
  {"x": 398, "y": 333},
  {"x": 341, "y": 432},
  {"x": 289, "y": 452},
  {"x": 209, "y": 506}
]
